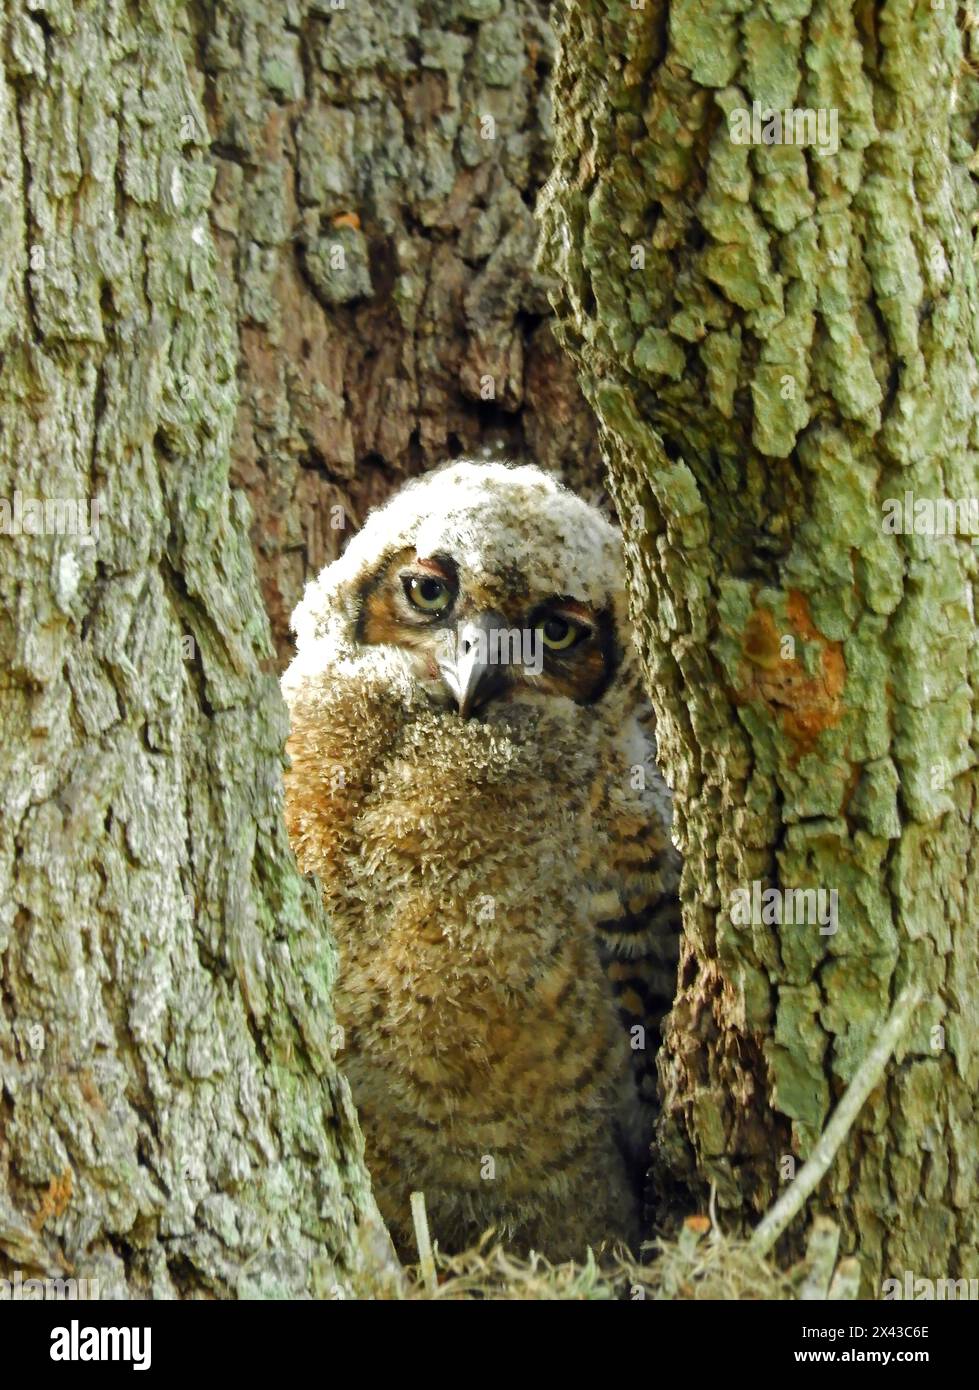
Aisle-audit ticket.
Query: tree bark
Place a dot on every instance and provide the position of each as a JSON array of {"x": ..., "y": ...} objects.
[
  {"x": 171, "y": 1122},
  {"x": 410, "y": 140},
  {"x": 775, "y": 342}
]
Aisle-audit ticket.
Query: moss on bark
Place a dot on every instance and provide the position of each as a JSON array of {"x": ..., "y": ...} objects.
[
  {"x": 776, "y": 341},
  {"x": 171, "y": 1121}
]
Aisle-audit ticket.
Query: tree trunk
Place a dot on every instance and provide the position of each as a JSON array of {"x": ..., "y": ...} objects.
[
  {"x": 171, "y": 1121},
  {"x": 776, "y": 341},
  {"x": 376, "y": 170}
]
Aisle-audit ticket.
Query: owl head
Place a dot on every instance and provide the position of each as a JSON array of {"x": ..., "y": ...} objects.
[{"x": 496, "y": 586}]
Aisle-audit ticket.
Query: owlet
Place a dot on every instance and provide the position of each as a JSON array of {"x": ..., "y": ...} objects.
[{"x": 473, "y": 784}]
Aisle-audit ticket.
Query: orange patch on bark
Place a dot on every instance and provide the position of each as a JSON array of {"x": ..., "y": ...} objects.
[
  {"x": 805, "y": 704},
  {"x": 54, "y": 1200}
]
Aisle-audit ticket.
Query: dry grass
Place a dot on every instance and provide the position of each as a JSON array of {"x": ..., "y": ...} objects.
[{"x": 701, "y": 1264}]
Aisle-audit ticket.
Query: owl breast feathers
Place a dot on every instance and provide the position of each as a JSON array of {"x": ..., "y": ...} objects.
[{"x": 472, "y": 782}]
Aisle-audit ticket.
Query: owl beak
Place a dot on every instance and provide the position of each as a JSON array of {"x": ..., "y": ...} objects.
[{"x": 471, "y": 674}]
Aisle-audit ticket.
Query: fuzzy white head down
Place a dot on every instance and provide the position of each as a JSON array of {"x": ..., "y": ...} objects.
[{"x": 515, "y": 527}]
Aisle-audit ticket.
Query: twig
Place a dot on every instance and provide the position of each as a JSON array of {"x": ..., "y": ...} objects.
[
  {"x": 820, "y": 1261},
  {"x": 846, "y": 1281},
  {"x": 424, "y": 1241},
  {"x": 868, "y": 1074}
]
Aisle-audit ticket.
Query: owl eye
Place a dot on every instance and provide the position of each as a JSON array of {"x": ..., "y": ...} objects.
[
  {"x": 559, "y": 634},
  {"x": 426, "y": 592}
]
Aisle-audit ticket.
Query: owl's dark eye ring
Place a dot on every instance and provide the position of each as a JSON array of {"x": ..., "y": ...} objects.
[
  {"x": 427, "y": 592},
  {"x": 560, "y": 634}
]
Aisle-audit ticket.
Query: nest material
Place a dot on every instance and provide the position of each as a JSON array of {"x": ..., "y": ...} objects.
[{"x": 702, "y": 1263}]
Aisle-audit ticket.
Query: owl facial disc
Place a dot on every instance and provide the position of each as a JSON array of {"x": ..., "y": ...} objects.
[{"x": 501, "y": 589}]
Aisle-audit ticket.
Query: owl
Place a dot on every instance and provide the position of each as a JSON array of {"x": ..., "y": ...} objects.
[{"x": 473, "y": 784}]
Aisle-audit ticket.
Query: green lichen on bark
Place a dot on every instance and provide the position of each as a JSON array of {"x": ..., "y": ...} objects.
[
  {"x": 824, "y": 308},
  {"x": 171, "y": 1121}
]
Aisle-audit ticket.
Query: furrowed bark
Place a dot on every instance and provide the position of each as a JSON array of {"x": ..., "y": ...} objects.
[
  {"x": 171, "y": 1122},
  {"x": 377, "y": 167},
  {"x": 776, "y": 341}
]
